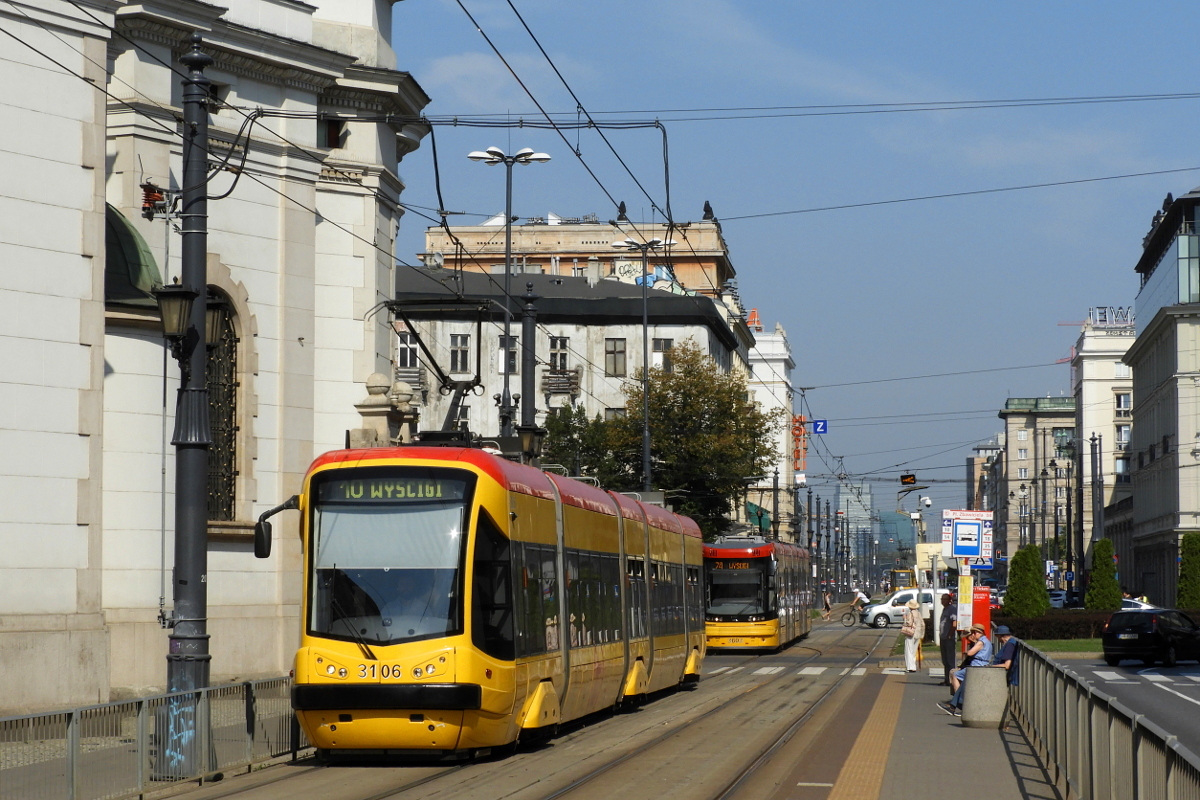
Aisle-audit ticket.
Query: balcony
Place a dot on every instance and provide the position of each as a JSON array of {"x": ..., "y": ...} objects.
[{"x": 1124, "y": 413}]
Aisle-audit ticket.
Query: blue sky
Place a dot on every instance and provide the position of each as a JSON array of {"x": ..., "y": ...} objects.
[{"x": 867, "y": 293}]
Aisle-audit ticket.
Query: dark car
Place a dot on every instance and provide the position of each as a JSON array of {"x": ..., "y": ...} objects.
[{"x": 1151, "y": 635}]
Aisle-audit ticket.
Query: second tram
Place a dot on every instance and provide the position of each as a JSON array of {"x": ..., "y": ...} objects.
[{"x": 758, "y": 594}]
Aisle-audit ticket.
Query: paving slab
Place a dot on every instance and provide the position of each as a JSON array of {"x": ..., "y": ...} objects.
[{"x": 935, "y": 757}]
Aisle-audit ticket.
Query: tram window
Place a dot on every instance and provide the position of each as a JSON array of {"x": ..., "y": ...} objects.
[
  {"x": 635, "y": 568},
  {"x": 492, "y": 610}
]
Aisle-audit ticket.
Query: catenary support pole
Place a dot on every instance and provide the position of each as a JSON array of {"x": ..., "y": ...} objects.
[
  {"x": 188, "y": 657},
  {"x": 529, "y": 358}
]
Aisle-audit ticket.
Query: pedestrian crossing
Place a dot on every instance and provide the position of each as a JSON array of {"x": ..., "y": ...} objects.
[
  {"x": 807, "y": 671},
  {"x": 1110, "y": 676}
]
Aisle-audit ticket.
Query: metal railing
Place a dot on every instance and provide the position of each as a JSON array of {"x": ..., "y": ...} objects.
[
  {"x": 1093, "y": 746},
  {"x": 137, "y": 747}
]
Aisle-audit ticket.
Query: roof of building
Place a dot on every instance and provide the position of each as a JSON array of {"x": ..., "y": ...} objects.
[
  {"x": 1165, "y": 229},
  {"x": 563, "y": 299}
]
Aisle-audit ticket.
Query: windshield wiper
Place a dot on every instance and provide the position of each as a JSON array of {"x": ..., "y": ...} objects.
[{"x": 358, "y": 637}]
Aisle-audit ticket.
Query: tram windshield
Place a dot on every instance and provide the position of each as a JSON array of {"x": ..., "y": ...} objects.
[
  {"x": 736, "y": 587},
  {"x": 387, "y": 553}
]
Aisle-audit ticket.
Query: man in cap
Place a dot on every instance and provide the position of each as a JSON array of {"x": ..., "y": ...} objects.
[
  {"x": 979, "y": 654},
  {"x": 1006, "y": 658}
]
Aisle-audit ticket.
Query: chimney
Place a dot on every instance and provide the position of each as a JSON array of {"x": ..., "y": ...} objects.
[{"x": 593, "y": 270}]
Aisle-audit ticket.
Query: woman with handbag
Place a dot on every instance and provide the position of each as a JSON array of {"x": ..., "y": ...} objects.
[{"x": 914, "y": 633}]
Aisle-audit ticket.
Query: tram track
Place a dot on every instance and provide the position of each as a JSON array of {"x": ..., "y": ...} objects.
[
  {"x": 761, "y": 757},
  {"x": 678, "y": 721}
]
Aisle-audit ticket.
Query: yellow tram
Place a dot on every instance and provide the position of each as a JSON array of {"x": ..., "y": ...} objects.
[
  {"x": 757, "y": 593},
  {"x": 455, "y": 601}
]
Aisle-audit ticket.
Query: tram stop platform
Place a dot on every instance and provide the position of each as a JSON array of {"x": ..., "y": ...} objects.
[{"x": 888, "y": 739}]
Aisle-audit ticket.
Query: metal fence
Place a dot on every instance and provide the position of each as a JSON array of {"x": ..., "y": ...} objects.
[
  {"x": 137, "y": 747},
  {"x": 1094, "y": 747}
]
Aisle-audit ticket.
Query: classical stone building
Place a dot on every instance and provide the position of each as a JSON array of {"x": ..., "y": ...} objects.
[
  {"x": 299, "y": 251},
  {"x": 1103, "y": 386},
  {"x": 588, "y": 346},
  {"x": 1038, "y": 435},
  {"x": 1164, "y": 449}
]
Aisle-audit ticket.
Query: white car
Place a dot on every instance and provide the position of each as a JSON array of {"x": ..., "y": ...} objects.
[
  {"x": 1128, "y": 604},
  {"x": 1058, "y": 598},
  {"x": 891, "y": 608}
]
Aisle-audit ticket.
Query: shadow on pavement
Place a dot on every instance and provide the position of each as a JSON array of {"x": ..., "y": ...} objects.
[{"x": 1033, "y": 780}]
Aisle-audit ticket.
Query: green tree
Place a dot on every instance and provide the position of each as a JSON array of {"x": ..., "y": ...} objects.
[
  {"x": 1189, "y": 571},
  {"x": 583, "y": 447},
  {"x": 706, "y": 438},
  {"x": 1103, "y": 593},
  {"x": 1027, "y": 595}
]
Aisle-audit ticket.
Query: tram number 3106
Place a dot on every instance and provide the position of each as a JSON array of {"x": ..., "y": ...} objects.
[{"x": 384, "y": 671}]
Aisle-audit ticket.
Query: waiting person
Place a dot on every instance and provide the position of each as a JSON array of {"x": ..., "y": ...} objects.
[
  {"x": 1126, "y": 594},
  {"x": 979, "y": 654},
  {"x": 828, "y": 605},
  {"x": 1007, "y": 657},
  {"x": 949, "y": 635},
  {"x": 914, "y": 633}
]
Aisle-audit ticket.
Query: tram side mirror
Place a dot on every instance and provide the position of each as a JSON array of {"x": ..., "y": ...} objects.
[
  {"x": 262, "y": 528},
  {"x": 262, "y": 539}
]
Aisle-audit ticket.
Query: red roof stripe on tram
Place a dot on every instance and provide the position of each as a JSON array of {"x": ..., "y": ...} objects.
[
  {"x": 583, "y": 495},
  {"x": 516, "y": 477},
  {"x": 733, "y": 551}
]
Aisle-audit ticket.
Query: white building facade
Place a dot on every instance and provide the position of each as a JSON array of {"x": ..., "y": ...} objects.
[
  {"x": 1103, "y": 387},
  {"x": 588, "y": 348},
  {"x": 298, "y": 252}
]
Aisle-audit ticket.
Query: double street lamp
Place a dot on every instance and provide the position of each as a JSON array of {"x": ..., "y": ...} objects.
[
  {"x": 644, "y": 248},
  {"x": 493, "y": 156}
]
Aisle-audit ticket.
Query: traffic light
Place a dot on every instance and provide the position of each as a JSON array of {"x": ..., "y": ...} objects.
[{"x": 908, "y": 479}]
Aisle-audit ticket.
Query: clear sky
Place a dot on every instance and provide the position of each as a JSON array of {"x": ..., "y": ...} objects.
[{"x": 865, "y": 294}]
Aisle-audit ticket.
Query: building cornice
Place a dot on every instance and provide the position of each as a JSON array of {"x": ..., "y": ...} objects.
[
  {"x": 236, "y": 49},
  {"x": 1165, "y": 316}
]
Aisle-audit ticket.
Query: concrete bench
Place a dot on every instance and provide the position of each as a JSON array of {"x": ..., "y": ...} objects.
[{"x": 985, "y": 697}]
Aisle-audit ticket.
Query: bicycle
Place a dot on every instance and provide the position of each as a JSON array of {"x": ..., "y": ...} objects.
[{"x": 850, "y": 619}]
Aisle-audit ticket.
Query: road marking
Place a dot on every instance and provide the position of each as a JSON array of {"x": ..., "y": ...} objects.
[
  {"x": 803, "y": 783},
  {"x": 893, "y": 671},
  {"x": 811, "y": 671},
  {"x": 861, "y": 775},
  {"x": 767, "y": 670},
  {"x": 1195, "y": 678},
  {"x": 735, "y": 669},
  {"x": 718, "y": 671},
  {"x": 1179, "y": 694},
  {"x": 937, "y": 672},
  {"x": 1159, "y": 679},
  {"x": 1110, "y": 676},
  {"x": 859, "y": 671}
]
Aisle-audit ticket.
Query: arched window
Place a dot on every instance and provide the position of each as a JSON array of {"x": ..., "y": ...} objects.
[{"x": 221, "y": 372}]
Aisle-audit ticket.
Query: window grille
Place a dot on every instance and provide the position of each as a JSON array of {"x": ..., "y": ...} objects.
[{"x": 221, "y": 372}]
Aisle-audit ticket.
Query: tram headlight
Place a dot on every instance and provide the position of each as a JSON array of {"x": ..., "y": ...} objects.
[
  {"x": 429, "y": 669},
  {"x": 417, "y": 672},
  {"x": 330, "y": 669},
  {"x": 342, "y": 672}
]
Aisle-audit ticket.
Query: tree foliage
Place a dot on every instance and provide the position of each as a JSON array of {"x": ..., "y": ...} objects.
[
  {"x": 706, "y": 438},
  {"x": 1027, "y": 596},
  {"x": 1103, "y": 593},
  {"x": 1189, "y": 572}
]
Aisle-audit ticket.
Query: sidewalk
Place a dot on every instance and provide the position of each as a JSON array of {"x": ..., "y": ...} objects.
[{"x": 933, "y": 756}]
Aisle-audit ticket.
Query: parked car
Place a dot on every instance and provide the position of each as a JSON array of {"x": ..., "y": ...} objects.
[
  {"x": 1058, "y": 598},
  {"x": 1157, "y": 634},
  {"x": 882, "y": 613},
  {"x": 1129, "y": 603}
]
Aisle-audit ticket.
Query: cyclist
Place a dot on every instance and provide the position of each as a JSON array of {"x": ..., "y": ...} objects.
[{"x": 860, "y": 600}]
